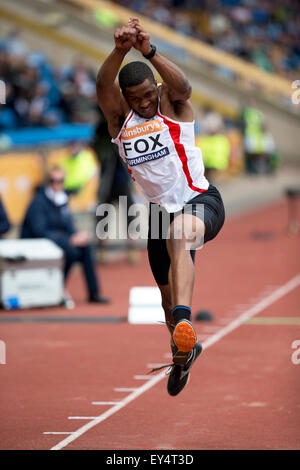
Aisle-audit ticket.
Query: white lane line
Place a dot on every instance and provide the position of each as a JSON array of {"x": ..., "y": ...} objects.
[
  {"x": 82, "y": 417},
  {"x": 128, "y": 389},
  {"x": 109, "y": 412},
  {"x": 57, "y": 432},
  {"x": 142, "y": 377},
  {"x": 269, "y": 300},
  {"x": 254, "y": 310},
  {"x": 106, "y": 402}
]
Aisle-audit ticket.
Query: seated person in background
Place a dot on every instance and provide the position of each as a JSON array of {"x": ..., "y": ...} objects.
[
  {"x": 48, "y": 216},
  {"x": 4, "y": 222}
]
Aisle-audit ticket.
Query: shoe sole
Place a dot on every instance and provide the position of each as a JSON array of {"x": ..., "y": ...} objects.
[
  {"x": 179, "y": 389},
  {"x": 184, "y": 337}
]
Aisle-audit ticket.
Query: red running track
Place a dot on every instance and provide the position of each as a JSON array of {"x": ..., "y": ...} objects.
[{"x": 243, "y": 391}]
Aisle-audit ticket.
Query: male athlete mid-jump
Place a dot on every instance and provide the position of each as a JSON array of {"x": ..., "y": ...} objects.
[{"x": 153, "y": 126}]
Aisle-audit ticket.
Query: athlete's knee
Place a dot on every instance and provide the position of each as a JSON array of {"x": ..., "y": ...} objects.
[{"x": 186, "y": 232}]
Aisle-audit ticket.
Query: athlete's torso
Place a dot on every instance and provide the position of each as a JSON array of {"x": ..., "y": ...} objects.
[{"x": 162, "y": 157}]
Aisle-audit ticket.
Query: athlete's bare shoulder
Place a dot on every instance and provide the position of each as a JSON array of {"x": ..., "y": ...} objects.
[{"x": 173, "y": 107}]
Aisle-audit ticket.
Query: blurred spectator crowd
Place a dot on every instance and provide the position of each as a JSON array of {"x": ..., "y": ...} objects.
[
  {"x": 264, "y": 32},
  {"x": 39, "y": 94}
]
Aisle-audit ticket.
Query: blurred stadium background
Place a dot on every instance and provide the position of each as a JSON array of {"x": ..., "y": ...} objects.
[{"x": 243, "y": 60}]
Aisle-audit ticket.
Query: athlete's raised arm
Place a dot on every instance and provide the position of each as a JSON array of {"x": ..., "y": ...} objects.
[
  {"x": 109, "y": 96},
  {"x": 179, "y": 88}
]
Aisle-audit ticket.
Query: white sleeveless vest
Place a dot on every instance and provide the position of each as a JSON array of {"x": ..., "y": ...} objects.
[{"x": 162, "y": 158}]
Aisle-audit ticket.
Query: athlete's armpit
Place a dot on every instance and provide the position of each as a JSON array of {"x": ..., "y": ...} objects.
[
  {"x": 174, "y": 106},
  {"x": 179, "y": 96}
]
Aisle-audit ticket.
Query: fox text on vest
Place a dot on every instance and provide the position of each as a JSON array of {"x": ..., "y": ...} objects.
[{"x": 142, "y": 143}]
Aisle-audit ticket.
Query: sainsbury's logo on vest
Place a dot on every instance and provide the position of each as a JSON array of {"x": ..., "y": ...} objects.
[{"x": 141, "y": 129}]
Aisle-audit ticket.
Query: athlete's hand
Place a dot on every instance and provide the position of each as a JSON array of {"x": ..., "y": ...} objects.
[
  {"x": 142, "y": 43},
  {"x": 125, "y": 38}
]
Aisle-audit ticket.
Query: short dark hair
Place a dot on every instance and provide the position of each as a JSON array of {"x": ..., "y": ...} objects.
[{"x": 133, "y": 74}]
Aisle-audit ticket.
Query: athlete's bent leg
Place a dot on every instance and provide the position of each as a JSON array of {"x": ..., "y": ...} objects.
[{"x": 186, "y": 233}]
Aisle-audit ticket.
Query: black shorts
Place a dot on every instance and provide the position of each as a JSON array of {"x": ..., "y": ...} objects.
[{"x": 213, "y": 215}]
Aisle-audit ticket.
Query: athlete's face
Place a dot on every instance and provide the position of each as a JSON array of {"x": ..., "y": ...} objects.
[{"x": 143, "y": 98}]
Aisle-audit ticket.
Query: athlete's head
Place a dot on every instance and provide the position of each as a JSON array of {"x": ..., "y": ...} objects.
[{"x": 139, "y": 88}]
